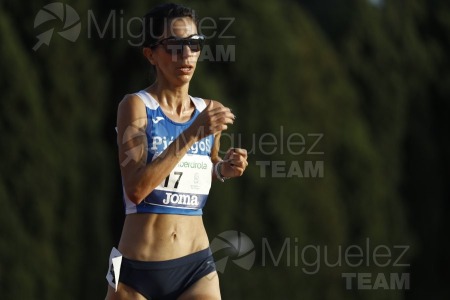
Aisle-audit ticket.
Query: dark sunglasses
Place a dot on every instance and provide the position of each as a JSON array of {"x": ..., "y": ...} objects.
[{"x": 175, "y": 45}]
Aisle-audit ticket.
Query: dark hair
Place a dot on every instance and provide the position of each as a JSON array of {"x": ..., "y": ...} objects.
[{"x": 155, "y": 21}]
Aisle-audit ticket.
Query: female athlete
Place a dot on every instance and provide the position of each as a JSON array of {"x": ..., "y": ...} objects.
[{"x": 169, "y": 153}]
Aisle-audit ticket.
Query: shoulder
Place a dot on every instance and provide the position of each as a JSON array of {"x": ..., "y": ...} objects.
[
  {"x": 131, "y": 109},
  {"x": 140, "y": 99},
  {"x": 214, "y": 103},
  {"x": 130, "y": 100},
  {"x": 202, "y": 104}
]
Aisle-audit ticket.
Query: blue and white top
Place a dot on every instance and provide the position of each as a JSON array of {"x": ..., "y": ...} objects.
[{"x": 186, "y": 189}]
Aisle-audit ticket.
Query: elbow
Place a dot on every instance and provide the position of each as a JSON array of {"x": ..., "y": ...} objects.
[
  {"x": 135, "y": 195},
  {"x": 136, "y": 189}
]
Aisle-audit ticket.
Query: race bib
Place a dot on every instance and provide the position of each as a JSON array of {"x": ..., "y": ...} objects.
[{"x": 187, "y": 186}]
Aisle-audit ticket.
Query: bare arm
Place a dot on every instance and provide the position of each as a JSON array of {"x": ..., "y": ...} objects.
[
  {"x": 139, "y": 178},
  {"x": 234, "y": 161}
]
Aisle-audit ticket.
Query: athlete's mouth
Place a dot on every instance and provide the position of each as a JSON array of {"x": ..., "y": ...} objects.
[{"x": 186, "y": 68}]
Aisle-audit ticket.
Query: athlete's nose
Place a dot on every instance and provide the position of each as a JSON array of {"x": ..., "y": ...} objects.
[{"x": 186, "y": 51}]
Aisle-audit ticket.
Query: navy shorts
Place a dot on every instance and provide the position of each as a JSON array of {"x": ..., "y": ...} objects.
[{"x": 168, "y": 279}]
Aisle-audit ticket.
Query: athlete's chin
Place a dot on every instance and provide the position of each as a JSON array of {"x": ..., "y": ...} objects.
[{"x": 184, "y": 79}]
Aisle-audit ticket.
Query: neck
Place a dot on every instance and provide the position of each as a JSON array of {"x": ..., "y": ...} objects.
[{"x": 173, "y": 99}]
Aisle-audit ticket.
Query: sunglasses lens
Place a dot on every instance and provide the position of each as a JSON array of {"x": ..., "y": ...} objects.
[
  {"x": 175, "y": 46},
  {"x": 196, "y": 42},
  {"x": 195, "y": 45}
]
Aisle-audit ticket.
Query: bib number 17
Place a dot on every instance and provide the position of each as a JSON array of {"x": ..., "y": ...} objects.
[{"x": 166, "y": 181}]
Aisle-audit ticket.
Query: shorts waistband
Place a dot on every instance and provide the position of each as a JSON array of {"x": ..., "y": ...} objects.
[{"x": 167, "y": 264}]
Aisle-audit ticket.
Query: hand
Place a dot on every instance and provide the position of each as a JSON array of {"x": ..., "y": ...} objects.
[
  {"x": 212, "y": 119},
  {"x": 234, "y": 162}
]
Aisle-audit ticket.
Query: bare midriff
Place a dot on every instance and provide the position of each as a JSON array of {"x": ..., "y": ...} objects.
[{"x": 158, "y": 237}]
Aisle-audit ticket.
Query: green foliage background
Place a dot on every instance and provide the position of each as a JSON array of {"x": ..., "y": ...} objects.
[{"x": 373, "y": 80}]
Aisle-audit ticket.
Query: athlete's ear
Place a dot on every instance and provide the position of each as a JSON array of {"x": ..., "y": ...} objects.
[{"x": 148, "y": 53}]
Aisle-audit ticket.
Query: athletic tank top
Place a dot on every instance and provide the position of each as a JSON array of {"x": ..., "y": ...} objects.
[{"x": 185, "y": 190}]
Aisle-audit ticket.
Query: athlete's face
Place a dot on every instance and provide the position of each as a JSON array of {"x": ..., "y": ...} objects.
[{"x": 175, "y": 60}]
